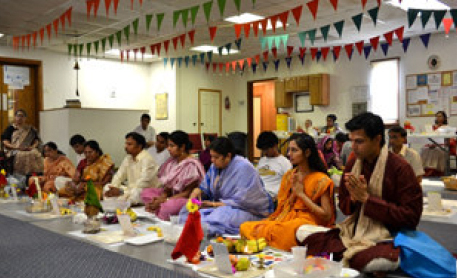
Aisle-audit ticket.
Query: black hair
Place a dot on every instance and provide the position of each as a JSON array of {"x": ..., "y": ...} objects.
[
  {"x": 77, "y": 139},
  {"x": 139, "y": 139},
  {"x": 146, "y": 116},
  {"x": 304, "y": 142},
  {"x": 94, "y": 145},
  {"x": 164, "y": 135},
  {"x": 181, "y": 138},
  {"x": 399, "y": 129},
  {"x": 223, "y": 146},
  {"x": 210, "y": 138},
  {"x": 52, "y": 146},
  {"x": 266, "y": 140},
  {"x": 341, "y": 137},
  {"x": 444, "y": 116},
  {"x": 22, "y": 111},
  {"x": 372, "y": 124},
  {"x": 332, "y": 116}
]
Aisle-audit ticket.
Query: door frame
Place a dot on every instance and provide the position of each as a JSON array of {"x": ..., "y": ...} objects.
[
  {"x": 220, "y": 108},
  {"x": 39, "y": 106}
]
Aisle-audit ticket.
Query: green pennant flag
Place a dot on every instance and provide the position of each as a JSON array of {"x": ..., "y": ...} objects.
[
  {"x": 312, "y": 36},
  {"x": 302, "y": 37},
  {"x": 96, "y": 44},
  {"x": 103, "y": 45},
  {"x": 412, "y": 15},
  {"x": 270, "y": 42},
  {"x": 237, "y": 4},
  {"x": 439, "y": 15},
  {"x": 324, "y": 31},
  {"x": 88, "y": 46},
  {"x": 75, "y": 48},
  {"x": 185, "y": 17},
  {"x": 263, "y": 42},
  {"x": 277, "y": 41},
  {"x": 374, "y": 14},
  {"x": 70, "y": 49},
  {"x": 285, "y": 39},
  {"x": 339, "y": 27},
  {"x": 148, "y": 21},
  {"x": 135, "y": 26},
  {"x": 193, "y": 13},
  {"x": 454, "y": 16},
  {"x": 159, "y": 20},
  {"x": 221, "y": 4},
  {"x": 119, "y": 37},
  {"x": 253, "y": 3},
  {"x": 207, "y": 9},
  {"x": 175, "y": 17},
  {"x": 425, "y": 16},
  {"x": 127, "y": 32},
  {"x": 81, "y": 47},
  {"x": 357, "y": 21}
]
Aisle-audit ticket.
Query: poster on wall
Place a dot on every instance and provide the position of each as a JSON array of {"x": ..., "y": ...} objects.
[
  {"x": 411, "y": 82},
  {"x": 446, "y": 79},
  {"x": 162, "y": 106},
  {"x": 16, "y": 77},
  {"x": 414, "y": 110}
]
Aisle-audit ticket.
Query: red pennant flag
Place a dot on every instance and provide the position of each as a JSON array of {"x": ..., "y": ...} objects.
[
  {"x": 237, "y": 30},
  {"x": 255, "y": 27},
  {"x": 41, "y": 35},
  {"x": 265, "y": 56},
  {"x": 48, "y": 31},
  {"x": 141, "y": 3},
  {"x": 89, "y": 5},
  {"x": 257, "y": 59},
  {"x": 336, "y": 51},
  {"x": 264, "y": 23},
  {"x": 302, "y": 51},
  {"x": 227, "y": 67},
  {"x": 221, "y": 67},
  {"x": 127, "y": 52},
  {"x": 175, "y": 42},
  {"x": 96, "y": 5},
  {"x": 379, "y": 3},
  {"x": 273, "y": 20},
  {"x": 182, "y": 39},
  {"x": 325, "y": 51},
  {"x": 107, "y": 5},
  {"x": 249, "y": 60},
  {"x": 334, "y": 4},
  {"x": 274, "y": 50},
  {"x": 122, "y": 56},
  {"x": 15, "y": 42},
  {"x": 159, "y": 46},
  {"x": 143, "y": 51},
  {"x": 166, "y": 44},
  {"x": 56, "y": 26},
  {"x": 374, "y": 42},
  {"x": 296, "y": 12},
  {"x": 131, "y": 4},
  {"x": 359, "y": 46},
  {"x": 313, "y": 52},
  {"x": 23, "y": 42},
  {"x": 313, "y": 6},
  {"x": 191, "y": 36},
  {"x": 364, "y": 2},
  {"x": 234, "y": 65},
  {"x": 62, "y": 21},
  {"x": 153, "y": 48},
  {"x": 116, "y": 3},
  {"x": 389, "y": 37},
  {"x": 290, "y": 49},
  {"x": 212, "y": 32},
  {"x": 68, "y": 14},
  {"x": 28, "y": 40},
  {"x": 399, "y": 31},
  {"x": 241, "y": 63},
  {"x": 135, "y": 51},
  {"x": 348, "y": 48},
  {"x": 247, "y": 29},
  {"x": 283, "y": 17},
  {"x": 34, "y": 36},
  {"x": 447, "y": 23},
  {"x": 207, "y": 66},
  {"x": 214, "y": 67}
]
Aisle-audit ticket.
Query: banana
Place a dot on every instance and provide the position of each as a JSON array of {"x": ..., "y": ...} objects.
[{"x": 132, "y": 214}]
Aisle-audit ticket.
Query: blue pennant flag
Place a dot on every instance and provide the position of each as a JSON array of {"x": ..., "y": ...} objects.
[
  {"x": 228, "y": 47},
  {"x": 254, "y": 67},
  {"x": 219, "y": 49},
  {"x": 277, "y": 64},
  {"x": 302, "y": 59},
  {"x": 202, "y": 58},
  {"x": 194, "y": 59},
  {"x": 179, "y": 61},
  {"x": 165, "y": 61},
  {"x": 172, "y": 61},
  {"x": 367, "y": 50},
  {"x": 406, "y": 44},
  {"x": 186, "y": 61},
  {"x": 385, "y": 48},
  {"x": 318, "y": 56},
  {"x": 265, "y": 66},
  {"x": 288, "y": 61},
  {"x": 425, "y": 38},
  {"x": 238, "y": 43},
  {"x": 209, "y": 54}
]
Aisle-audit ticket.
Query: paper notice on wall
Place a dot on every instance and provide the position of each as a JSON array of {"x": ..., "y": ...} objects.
[
  {"x": 434, "y": 79},
  {"x": 411, "y": 82},
  {"x": 360, "y": 94},
  {"x": 419, "y": 94},
  {"x": 16, "y": 77},
  {"x": 453, "y": 99},
  {"x": 430, "y": 109}
]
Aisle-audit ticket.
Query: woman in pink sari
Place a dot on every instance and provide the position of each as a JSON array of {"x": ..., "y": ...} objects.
[{"x": 179, "y": 175}]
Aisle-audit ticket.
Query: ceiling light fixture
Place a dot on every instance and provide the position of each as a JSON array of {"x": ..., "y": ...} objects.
[
  {"x": 419, "y": 4},
  {"x": 214, "y": 49},
  {"x": 117, "y": 52},
  {"x": 1, "y": 35},
  {"x": 244, "y": 18}
]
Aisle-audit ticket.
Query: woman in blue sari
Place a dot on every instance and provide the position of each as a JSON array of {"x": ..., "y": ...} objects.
[{"x": 231, "y": 193}]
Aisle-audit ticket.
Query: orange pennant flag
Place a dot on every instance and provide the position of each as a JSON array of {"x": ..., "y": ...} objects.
[
  {"x": 116, "y": 4},
  {"x": 96, "y": 5},
  {"x": 41, "y": 35},
  {"x": 68, "y": 13},
  {"x": 238, "y": 30},
  {"x": 62, "y": 21},
  {"x": 34, "y": 37},
  {"x": 255, "y": 27},
  {"x": 89, "y": 5},
  {"x": 107, "y": 5},
  {"x": 191, "y": 36},
  {"x": 273, "y": 21},
  {"x": 313, "y": 6},
  {"x": 264, "y": 23},
  {"x": 296, "y": 12},
  {"x": 48, "y": 31},
  {"x": 28, "y": 40},
  {"x": 166, "y": 44},
  {"x": 283, "y": 17},
  {"x": 56, "y": 26},
  {"x": 182, "y": 39},
  {"x": 212, "y": 32},
  {"x": 175, "y": 42},
  {"x": 247, "y": 29}
]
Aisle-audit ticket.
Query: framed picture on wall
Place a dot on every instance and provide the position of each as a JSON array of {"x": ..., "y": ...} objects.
[
  {"x": 302, "y": 103},
  {"x": 162, "y": 106}
]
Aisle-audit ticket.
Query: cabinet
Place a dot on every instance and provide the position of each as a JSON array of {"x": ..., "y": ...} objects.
[
  {"x": 319, "y": 89},
  {"x": 302, "y": 83},
  {"x": 282, "y": 98},
  {"x": 291, "y": 84}
]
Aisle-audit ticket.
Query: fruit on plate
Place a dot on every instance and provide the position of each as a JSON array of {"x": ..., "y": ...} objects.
[
  {"x": 132, "y": 214},
  {"x": 233, "y": 260},
  {"x": 243, "y": 264},
  {"x": 230, "y": 245},
  {"x": 210, "y": 250},
  {"x": 64, "y": 211},
  {"x": 220, "y": 240},
  {"x": 256, "y": 245}
]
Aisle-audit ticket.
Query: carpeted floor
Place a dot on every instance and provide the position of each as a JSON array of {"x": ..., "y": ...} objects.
[{"x": 27, "y": 251}]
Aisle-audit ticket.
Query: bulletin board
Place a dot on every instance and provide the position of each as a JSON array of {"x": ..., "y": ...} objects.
[{"x": 429, "y": 93}]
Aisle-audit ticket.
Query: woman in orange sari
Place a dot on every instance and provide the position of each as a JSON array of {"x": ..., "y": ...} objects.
[{"x": 305, "y": 197}]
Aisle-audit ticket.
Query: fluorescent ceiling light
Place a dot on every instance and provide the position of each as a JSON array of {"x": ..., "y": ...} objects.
[
  {"x": 208, "y": 48},
  {"x": 244, "y": 18},
  {"x": 1, "y": 35},
  {"x": 117, "y": 52},
  {"x": 419, "y": 4}
]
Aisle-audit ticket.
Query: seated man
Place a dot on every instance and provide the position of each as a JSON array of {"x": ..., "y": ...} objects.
[
  {"x": 77, "y": 143},
  {"x": 397, "y": 143},
  {"x": 273, "y": 165},
  {"x": 146, "y": 130},
  {"x": 381, "y": 196},
  {"x": 160, "y": 152},
  {"x": 138, "y": 171}
]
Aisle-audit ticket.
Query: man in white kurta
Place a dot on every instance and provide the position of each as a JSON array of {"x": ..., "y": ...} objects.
[
  {"x": 146, "y": 130},
  {"x": 137, "y": 171}
]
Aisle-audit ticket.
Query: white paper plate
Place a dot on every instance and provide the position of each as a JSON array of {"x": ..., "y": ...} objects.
[
  {"x": 349, "y": 272},
  {"x": 143, "y": 240}
]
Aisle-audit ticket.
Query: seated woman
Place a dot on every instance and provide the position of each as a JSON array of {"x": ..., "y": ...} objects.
[
  {"x": 331, "y": 126},
  {"x": 56, "y": 164},
  {"x": 97, "y": 166},
  {"x": 204, "y": 156},
  {"x": 328, "y": 148},
  {"x": 179, "y": 175},
  {"x": 305, "y": 197},
  {"x": 21, "y": 141},
  {"x": 232, "y": 191}
]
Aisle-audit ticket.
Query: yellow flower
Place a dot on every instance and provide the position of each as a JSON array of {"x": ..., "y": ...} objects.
[
  {"x": 3, "y": 172},
  {"x": 191, "y": 207}
]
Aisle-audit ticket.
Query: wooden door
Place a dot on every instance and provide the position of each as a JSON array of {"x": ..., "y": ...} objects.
[
  {"x": 257, "y": 123},
  {"x": 210, "y": 111}
]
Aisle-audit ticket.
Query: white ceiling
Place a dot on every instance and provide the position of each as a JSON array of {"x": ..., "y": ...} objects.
[{"x": 26, "y": 16}]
